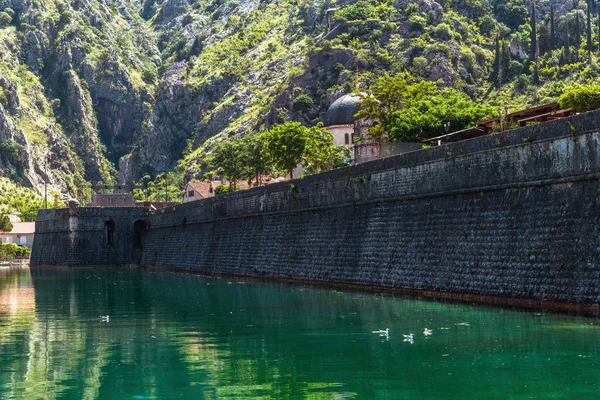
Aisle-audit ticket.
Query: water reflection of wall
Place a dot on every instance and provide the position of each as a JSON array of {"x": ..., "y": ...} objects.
[{"x": 179, "y": 335}]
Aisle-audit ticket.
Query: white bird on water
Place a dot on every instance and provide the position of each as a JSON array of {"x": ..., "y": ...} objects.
[
  {"x": 382, "y": 332},
  {"x": 409, "y": 338},
  {"x": 105, "y": 318},
  {"x": 427, "y": 332}
]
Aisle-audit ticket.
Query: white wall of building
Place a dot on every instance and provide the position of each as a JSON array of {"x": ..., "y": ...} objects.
[{"x": 342, "y": 134}]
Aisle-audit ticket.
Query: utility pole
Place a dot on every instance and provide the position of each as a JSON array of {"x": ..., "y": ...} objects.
[
  {"x": 552, "y": 28},
  {"x": 590, "y": 44},
  {"x": 46, "y": 182}
]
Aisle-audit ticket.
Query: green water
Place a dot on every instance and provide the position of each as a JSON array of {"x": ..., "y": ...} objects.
[{"x": 183, "y": 336}]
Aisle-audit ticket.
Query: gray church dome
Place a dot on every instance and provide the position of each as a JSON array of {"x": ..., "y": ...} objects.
[{"x": 342, "y": 111}]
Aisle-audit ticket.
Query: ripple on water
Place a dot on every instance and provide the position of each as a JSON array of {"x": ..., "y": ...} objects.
[{"x": 183, "y": 336}]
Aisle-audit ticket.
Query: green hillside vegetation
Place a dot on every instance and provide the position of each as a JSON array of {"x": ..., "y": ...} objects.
[
  {"x": 24, "y": 201},
  {"x": 168, "y": 186},
  {"x": 171, "y": 82}
]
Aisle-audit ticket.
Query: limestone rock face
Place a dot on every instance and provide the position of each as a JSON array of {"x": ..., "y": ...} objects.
[
  {"x": 72, "y": 89},
  {"x": 35, "y": 50},
  {"x": 98, "y": 90}
]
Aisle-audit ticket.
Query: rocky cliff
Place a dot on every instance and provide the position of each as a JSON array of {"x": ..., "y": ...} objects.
[{"x": 93, "y": 91}]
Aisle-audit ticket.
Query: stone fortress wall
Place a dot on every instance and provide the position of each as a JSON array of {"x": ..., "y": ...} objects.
[
  {"x": 512, "y": 216},
  {"x": 78, "y": 237}
]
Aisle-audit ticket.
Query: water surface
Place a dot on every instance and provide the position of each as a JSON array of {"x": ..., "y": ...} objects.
[{"x": 174, "y": 336}]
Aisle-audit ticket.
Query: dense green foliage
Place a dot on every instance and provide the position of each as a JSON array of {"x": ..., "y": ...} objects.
[
  {"x": 361, "y": 10},
  {"x": 280, "y": 150},
  {"x": 168, "y": 186},
  {"x": 158, "y": 75},
  {"x": 286, "y": 144},
  {"x": 5, "y": 224},
  {"x": 230, "y": 158},
  {"x": 410, "y": 109},
  {"x": 581, "y": 98},
  {"x": 24, "y": 201},
  {"x": 223, "y": 189},
  {"x": 8, "y": 251}
]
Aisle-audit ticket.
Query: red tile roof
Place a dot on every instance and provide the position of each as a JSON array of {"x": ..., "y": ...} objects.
[
  {"x": 202, "y": 188},
  {"x": 22, "y": 228}
]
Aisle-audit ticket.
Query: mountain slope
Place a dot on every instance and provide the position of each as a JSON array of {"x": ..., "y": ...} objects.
[{"x": 94, "y": 90}]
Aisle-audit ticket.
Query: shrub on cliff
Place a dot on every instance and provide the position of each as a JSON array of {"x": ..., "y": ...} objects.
[
  {"x": 303, "y": 103},
  {"x": 581, "y": 98},
  {"x": 360, "y": 11},
  {"x": 5, "y": 19}
]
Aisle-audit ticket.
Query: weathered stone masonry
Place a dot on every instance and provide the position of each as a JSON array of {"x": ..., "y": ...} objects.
[
  {"x": 77, "y": 237},
  {"x": 513, "y": 215}
]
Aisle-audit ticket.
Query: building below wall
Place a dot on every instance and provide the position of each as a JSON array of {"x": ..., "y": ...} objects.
[{"x": 22, "y": 234}]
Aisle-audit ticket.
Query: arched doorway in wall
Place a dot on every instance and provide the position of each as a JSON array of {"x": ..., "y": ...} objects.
[
  {"x": 139, "y": 227},
  {"x": 110, "y": 228}
]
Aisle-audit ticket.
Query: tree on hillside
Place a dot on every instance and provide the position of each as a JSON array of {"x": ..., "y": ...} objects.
[
  {"x": 552, "y": 28},
  {"x": 257, "y": 161},
  {"x": 5, "y": 224},
  {"x": 534, "y": 50},
  {"x": 423, "y": 118},
  {"x": 409, "y": 110},
  {"x": 577, "y": 32},
  {"x": 285, "y": 145},
  {"x": 320, "y": 152},
  {"x": 385, "y": 97},
  {"x": 567, "y": 48},
  {"x": 230, "y": 158},
  {"x": 581, "y": 98},
  {"x": 598, "y": 18},
  {"x": 498, "y": 64},
  {"x": 589, "y": 44}
]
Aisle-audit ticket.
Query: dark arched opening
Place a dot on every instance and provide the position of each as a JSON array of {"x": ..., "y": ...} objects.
[
  {"x": 109, "y": 233},
  {"x": 139, "y": 227}
]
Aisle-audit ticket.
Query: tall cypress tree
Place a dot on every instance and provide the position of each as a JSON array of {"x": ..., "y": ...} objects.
[
  {"x": 552, "y": 28},
  {"x": 498, "y": 63},
  {"x": 589, "y": 45},
  {"x": 567, "y": 43},
  {"x": 577, "y": 32},
  {"x": 534, "y": 56},
  {"x": 505, "y": 57},
  {"x": 598, "y": 13}
]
